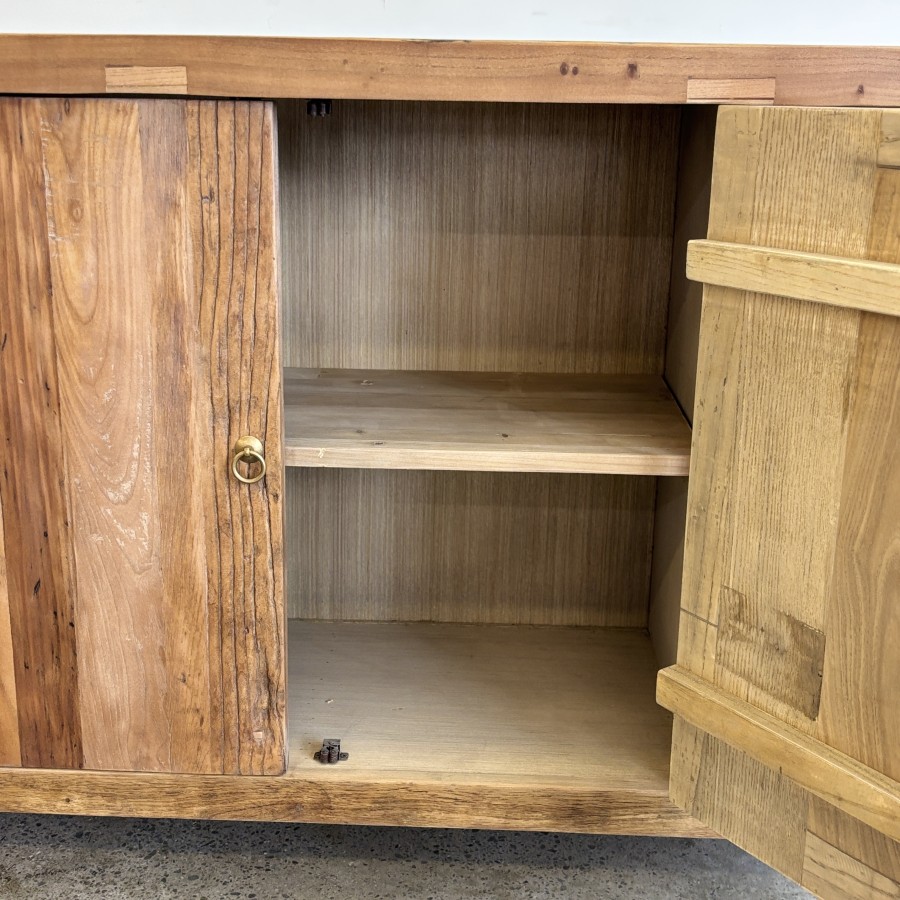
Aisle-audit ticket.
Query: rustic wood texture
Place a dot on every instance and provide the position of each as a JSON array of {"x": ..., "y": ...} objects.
[
  {"x": 10, "y": 752},
  {"x": 839, "y": 779},
  {"x": 889, "y": 150},
  {"x": 791, "y": 544},
  {"x": 453, "y": 70},
  {"x": 469, "y": 547},
  {"x": 502, "y": 422},
  {"x": 731, "y": 90},
  {"x": 145, "y": 584},
  {"x": 414, "y": 761},
  {"x": 37, "y": 529},
  {"x": 146, "y": 80},
  {"x": 390, "y": 799},
  {"x": 476, "y": 237},
  {"x": 854, "y": 283}
]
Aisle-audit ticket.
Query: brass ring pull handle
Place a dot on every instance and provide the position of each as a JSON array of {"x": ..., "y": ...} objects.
[{"x": 249, "y": 450}]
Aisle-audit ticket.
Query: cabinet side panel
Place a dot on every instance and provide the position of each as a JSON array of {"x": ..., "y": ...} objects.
[{"x": 37, "y": 522}]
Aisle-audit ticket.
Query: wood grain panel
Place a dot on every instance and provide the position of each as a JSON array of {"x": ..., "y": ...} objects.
[
  {"x": 453, "y": 70},
  {"x": 232, "y": 148},
  {"x": 10, "y": 754},
  {"x": 495, "y": 421},
  {"x": 830, "y": 872},
  {"x": 103, "y": 348},
  {"x": 381, "y": 799},
  {"x": 854, "y": 283},
  {"x": 756, "y": 808},
  {"x": 146, "y": 80},
  {"x": 469, "y": 547},
  {"x": 809, "y": 442},
  {"x": 156, "y": 221},
  {"x": 812, "y": 764},
  {"x": 40, "y": 565},
  {"x": 731, "y": 90},
  {"x": 477, "y": 237}
]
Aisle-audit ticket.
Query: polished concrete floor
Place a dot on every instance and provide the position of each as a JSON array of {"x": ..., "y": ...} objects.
[{"x": 67, "y": 858}]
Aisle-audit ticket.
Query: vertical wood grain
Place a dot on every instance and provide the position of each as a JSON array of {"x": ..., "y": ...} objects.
[
  {"x": 37, "y": 522},
  {"x": 467, "y": 236},
  {"x": 158, "y": 236},
  {"x": 469, "y": 547},
  {"x": 232, "y": 159},
  {"x": 791, "y": 559},
  {"x": 10, "y": 754}
]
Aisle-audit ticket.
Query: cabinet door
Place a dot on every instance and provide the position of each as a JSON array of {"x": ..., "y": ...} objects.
[
  {"x": 786, "y": 693},
  {"x": 141, "y": 608}
]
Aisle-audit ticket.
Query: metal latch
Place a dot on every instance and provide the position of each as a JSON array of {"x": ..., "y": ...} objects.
[{"x": 331, "y": 751}]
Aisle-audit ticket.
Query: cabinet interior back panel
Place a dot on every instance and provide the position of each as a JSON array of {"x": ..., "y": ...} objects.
[
  {"x": 474, "y": 237},
  {"x": 508, "y": 548},
  {"x": 483, "y": 237}
]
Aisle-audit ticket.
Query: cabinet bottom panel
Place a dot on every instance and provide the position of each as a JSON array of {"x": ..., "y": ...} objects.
[{"x": 470, "y": 726}]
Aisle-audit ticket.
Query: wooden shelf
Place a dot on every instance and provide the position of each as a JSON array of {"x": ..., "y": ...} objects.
[
  {"x": 482, "y": 421},
  {"x": 553, "y": 708}
]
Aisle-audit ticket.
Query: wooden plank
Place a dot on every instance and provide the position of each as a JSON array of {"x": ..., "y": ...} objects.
[
  {"x": 486, "y": 237},
  {"x": 759, "y": 91},
  {"x": 498, "y": 422},
  {"x": 38, "y": 542},
  {"x": 93, "y": 169},
  {"x": 389, "y": 799},
  {"x": 852, "y": 283},
  {"x": 889, "y": 149},
  {"x": 146, "y": 80},
  {"x": 474, "y": 547},
  {"x": 835, "y": 777},
  {"x": 452, "y": 70},
  {"x": 831, "y": 873},
  {"x": 10, "y": 753},
  {"x": 234, "y": 218}
]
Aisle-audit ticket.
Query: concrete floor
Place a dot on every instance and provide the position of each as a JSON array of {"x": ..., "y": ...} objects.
[{"x": 45, "y": 858}]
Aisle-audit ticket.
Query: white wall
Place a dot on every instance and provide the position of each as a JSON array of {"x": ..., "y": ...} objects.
[{"x": 702, "y": 21}]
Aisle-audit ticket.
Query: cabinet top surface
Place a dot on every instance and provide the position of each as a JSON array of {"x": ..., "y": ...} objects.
[{"x": 481, "y": 70}]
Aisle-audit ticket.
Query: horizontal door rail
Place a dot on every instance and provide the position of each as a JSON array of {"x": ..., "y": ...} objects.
[
  {"x": 838, "y": 779},
  {"x": 836, "y": 280}
]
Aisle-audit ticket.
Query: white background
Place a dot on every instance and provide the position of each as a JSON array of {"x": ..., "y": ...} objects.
[{"x": 702, "y": 21}]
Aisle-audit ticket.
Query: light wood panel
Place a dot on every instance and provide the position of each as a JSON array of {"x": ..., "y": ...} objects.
[
  {"x": 837, "y": 778},
  {"x": 731, "y": 90},
  {"x": 10, "y": 753},
  {"x": 469, "y": 547},
  {"x": 475, "y": 237},
  {"x": 449, "y": 726},
  {"x": 791, "y": 545},
  {"x": 503, "y": 702},
  {"x": 454, "y": 70},
  {"x": 836, "y": 280},
  {"x": 146, "y": 80},
  {"x": 141, "y": 338},
  {"x": 502, "y": 422}
]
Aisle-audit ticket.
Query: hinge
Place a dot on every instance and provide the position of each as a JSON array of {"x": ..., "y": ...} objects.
[{"x": 318, "y": 108}]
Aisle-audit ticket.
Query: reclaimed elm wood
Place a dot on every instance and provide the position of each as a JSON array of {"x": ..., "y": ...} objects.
[
  {"x": 141, "y": 339},
  {"x": 548, "y": 72}
]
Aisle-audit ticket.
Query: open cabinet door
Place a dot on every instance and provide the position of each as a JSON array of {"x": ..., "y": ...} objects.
[
  {"x": 786, "y": 693},
  {"x": 141, "y": 609}
]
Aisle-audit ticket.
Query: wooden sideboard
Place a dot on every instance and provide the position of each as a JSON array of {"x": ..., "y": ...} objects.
[{"x": 563, "y": 407}]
